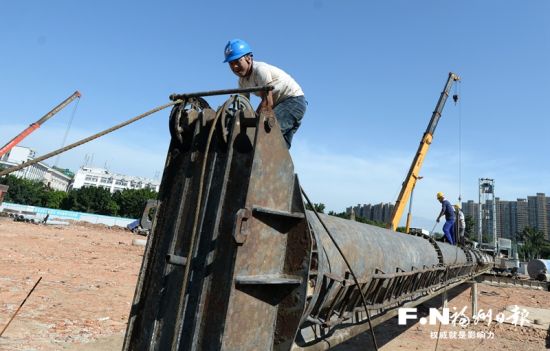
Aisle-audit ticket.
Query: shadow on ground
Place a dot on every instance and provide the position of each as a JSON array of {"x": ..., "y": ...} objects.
[{"x": 389, "y": 330}]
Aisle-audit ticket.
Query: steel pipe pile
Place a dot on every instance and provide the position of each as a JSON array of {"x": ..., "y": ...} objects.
[
  {"x": 539, "y": 269},
  {"x": 235, "y": 262}
]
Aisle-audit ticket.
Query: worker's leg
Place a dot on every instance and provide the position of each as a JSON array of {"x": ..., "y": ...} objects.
[
  {"x": 289, "y": 114},
  {"x": 447, "y": 229},
  {"x": 461, "y": 236},
  {"x": 453, "y": 233}
]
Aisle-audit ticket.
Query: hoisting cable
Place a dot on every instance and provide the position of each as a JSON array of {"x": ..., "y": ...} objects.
[
  {"x": 439, "y": 328},
  {"x": 88, "y": 139},
  {"x": 445, "y": 291},
  {"x": 364, "y": 301},
  {"x": 68, "y": 129},
  {"x": 459, "y": 141}
]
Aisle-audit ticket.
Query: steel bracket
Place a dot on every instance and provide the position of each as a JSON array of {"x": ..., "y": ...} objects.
[{"x": 241, "y": 229}]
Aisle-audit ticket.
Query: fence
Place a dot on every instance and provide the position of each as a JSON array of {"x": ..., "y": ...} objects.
[{"x": 73, "y": 215}]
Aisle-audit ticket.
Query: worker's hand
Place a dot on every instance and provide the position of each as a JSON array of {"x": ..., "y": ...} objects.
[{"x": 437, "y": 220}]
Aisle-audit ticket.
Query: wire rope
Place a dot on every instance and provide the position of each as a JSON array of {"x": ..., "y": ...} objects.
[
  {"x": 56, "y": 163},
  {"x": 459, "y": 142},
  {"x": 88, "y": 139}
]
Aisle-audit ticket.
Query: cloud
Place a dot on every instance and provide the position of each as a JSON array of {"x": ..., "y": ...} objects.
[{"x": 340, "y": 180}]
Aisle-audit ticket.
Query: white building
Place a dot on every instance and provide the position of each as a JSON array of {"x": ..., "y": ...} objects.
[
  {"x": 102, "y": 178},
  {"x": 39, "y": 171}
]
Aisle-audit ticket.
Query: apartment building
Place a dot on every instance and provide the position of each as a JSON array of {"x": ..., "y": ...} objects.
[
  {"x": 513, "y": 216},
  {"x": 380, "y": 212},
  {"x": 102, "y": 178}
]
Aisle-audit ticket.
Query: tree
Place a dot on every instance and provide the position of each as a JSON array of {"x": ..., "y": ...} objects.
[
  {"x": 320, "y": 207},
  {"x": 469, "y": 230},
  {"x": 371, "y": 222},
  {"x": 341, "y": 214},
  {"x": 24, "y": 191},
  {"x": 91, "y": 200},
  {"x": 533, "y": 242},
  {"x": 358, "y": 219},
  {"x": 131, "y": 202},
  {"x": 53, "y": 198}
]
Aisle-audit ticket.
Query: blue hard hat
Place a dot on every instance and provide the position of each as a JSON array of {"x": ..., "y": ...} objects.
[{"x": 235, "y": 49}]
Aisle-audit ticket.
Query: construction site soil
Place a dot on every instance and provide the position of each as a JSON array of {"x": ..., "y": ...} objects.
[{"x": 89, "y": 274}]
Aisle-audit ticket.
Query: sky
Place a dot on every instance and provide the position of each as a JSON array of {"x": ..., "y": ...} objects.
[{"x": 372, "y": 72}]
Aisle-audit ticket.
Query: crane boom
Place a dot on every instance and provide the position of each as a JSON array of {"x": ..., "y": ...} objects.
[
  {"x": 412, "y": 176},
  {"x": 34, "y": 126}
]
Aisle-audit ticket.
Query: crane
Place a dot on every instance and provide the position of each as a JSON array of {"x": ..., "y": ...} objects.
[
  {"x": 34, "y": 126},
  {"x": 412, "y": 176}
]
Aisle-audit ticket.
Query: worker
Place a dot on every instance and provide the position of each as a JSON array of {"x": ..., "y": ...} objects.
[
  {"x": 448, "y": 211},
  {"x": 460, "y": 224},
  {"x": 286, "y": 99}
]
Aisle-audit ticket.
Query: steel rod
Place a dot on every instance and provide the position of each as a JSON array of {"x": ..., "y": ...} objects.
[
  {"x": 88, "y": 139},
  {"x": 184, "y": 96},
  {"x": 21, "y": 305}
]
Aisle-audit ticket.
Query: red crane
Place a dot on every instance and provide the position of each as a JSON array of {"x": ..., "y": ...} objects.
[{"x": 6, "y": 148}]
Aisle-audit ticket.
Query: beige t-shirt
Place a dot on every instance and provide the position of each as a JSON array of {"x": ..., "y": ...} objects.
[{"x": 284, "y": 86}]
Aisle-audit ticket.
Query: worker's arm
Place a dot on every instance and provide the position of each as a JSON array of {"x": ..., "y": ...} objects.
[
  {"x": 263, "y": 77},
  {"x": 440, "y": 214},
  {"x": 266, "y": 103}
]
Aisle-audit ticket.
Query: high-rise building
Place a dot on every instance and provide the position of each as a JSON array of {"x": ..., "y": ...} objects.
[
  {"x": 380, "y": 212},
  {"x": 387, "y": 209},
  {"x": 498, "y": 217},
  {"x": 366, "y": 211},
  {"x": 538, "y": 214},
  {"x": 512, "y": 217},
  {"x": 522, "y": 216},
  {"x": 377, "y": 212},
  {"x": 504, "y": 218},
  {"x": 471, "y": 209}
]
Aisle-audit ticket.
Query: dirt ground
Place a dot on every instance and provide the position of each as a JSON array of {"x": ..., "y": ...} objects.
[
  {"x": 89, "y": 274},
  {"x": 88, "y": 279}
]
